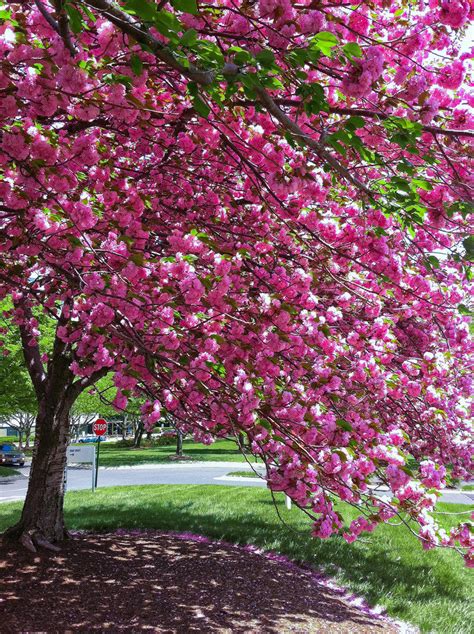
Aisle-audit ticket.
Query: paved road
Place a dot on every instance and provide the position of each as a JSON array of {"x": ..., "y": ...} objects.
[
  {"x": 81, "y": 478},
  {"x": 190, "y": 473}
]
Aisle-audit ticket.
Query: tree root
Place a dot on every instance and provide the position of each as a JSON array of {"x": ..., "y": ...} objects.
[
  {"x": 41, "y": 541},
  {"x": 27, "y": 541},
  {"x": 31, "y": 539}
]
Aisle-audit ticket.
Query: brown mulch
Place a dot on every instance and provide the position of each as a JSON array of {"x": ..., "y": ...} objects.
[{"x": 162, "y": 582}]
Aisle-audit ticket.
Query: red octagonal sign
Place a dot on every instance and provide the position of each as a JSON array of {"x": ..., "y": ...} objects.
[{"x": 99, "y": 427}]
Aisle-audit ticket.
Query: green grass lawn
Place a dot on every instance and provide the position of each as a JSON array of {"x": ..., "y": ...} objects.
[
  {"x": 112, "y": 455},
  {"x": 430, "y": 589},
  {"x": 8, "y": 471},
  {"x": 468, "y": 487}
]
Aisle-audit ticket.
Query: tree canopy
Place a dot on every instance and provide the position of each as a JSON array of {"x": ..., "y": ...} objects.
[{"x": 254, "y": 214}]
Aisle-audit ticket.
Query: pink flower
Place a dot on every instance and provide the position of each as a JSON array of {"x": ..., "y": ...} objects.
[
  {"x": 452, "y": 76},
  {"x": 454, "y": 12},
  {"x": 102, "y": 315},
  {"x": 14, "y": 145}
]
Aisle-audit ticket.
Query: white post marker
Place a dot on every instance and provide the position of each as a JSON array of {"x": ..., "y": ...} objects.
[
  {"x": 99, "y": 428},
  {"x": 288, "y": 502},
  {"x": 82, "y": 455}
]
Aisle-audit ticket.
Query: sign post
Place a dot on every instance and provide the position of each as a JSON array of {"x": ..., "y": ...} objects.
[{"x": 99, "y": 428}]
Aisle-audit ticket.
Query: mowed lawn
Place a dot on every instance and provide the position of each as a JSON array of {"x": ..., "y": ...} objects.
[
  {"x": 430, "y": 589},
  {"x": 6, "y": 472},
  {"x": 113, "y": 455}
]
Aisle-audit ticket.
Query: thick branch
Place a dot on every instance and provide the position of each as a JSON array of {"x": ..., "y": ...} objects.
[
  {"x": 295, "y": 129},
  {"x": 371, "y": 114},
  {"x": 127, "y": 25},
  {"x": 381, "y": 115},
  {"x": 63, "y": 24},
  {"x": 80, "y": 385},
  {"x": 31, "y": 354},
  {"x": 47, "y": 16}
]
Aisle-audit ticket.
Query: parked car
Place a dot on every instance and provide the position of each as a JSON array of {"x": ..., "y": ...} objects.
[
  {"x": 92, "y": 439},
  {"x": 11, "y": 456}
]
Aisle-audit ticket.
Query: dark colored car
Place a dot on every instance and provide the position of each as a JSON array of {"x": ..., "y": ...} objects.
[
  {"x": 92, "y": 439},
  {"x": 11, "y": 456}
]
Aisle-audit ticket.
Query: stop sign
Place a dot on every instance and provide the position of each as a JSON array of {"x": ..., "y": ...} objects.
[{"x": 99, "y": 427}]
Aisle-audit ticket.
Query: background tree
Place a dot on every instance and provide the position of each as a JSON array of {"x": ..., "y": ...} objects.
[
  {"x": 18, "y": 405},
  {"x": 253, "y": 214},
  {"x": 91, "y": 404}
]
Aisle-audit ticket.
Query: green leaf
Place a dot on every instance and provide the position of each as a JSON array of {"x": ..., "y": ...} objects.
[
  {"x": 422, "y": 184},
  {"x": 250, "y": 80},
  {"x": 186, "y": 6},
  {"x": 142, "y": 9},
  {"x": 340, "y": 422},
  {"x": 324, "y": 42},
  {"x": 89, "y": 14},
  {"x": 265, "y": 58},
  {"x": 352, "y": 49},
  {"x": 433, "y": 260},
  {"x": 210, "y": 55},
  {"x": 271, "y": 82},
  {"x": 200, "y": 106},
  {"x": 5, "y": 14},
  {"x": 468, "y": 244},
  {"x": 75, "y": 18},
  {"x": 115, "y": 78},
  {"x": 325, "y": 36},
  {"x": 464, "y": 310},
  {"x": 189, "y": 37},
  {"x": 136, "y": 64},
  {"x": 355, "y": 122},
  {"x": 298, "y": 57},
  {"x": 241, "y": 56},
  {"x": 167, "y": 24}
]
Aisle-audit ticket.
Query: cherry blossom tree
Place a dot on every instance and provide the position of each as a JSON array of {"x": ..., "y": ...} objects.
[{"x": 253, "y": 214}]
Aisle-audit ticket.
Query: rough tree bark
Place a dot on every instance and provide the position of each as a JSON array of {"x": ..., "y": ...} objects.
[{"x": 42, "y": 519}]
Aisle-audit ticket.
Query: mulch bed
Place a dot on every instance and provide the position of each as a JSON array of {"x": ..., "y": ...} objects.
[{"x": 131, "y": 581}]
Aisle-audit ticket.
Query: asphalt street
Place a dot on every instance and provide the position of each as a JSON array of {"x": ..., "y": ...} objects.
[{"x": 189, "y": 473}]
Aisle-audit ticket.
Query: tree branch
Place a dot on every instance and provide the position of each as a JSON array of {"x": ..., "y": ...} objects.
[
  {"x": 47, "y": 16},
  {"x": 127, "y": 25},
  {"x": 63, "y": 25},
  {"x": 381, "y": 115},
  {"x": 74, "y": 390},
  {"x": 31, "y": 353},
  {"x": 295, "y": 129},
  {"x": 371, "y": 114}
]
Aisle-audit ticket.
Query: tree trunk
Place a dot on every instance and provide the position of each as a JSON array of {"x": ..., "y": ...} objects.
[
  {"x": 42, "y": 519},
  {"x": 56, "y": 388},
  {"x": 179, "y": 443},
  {"x": 138, "y": 435}
]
